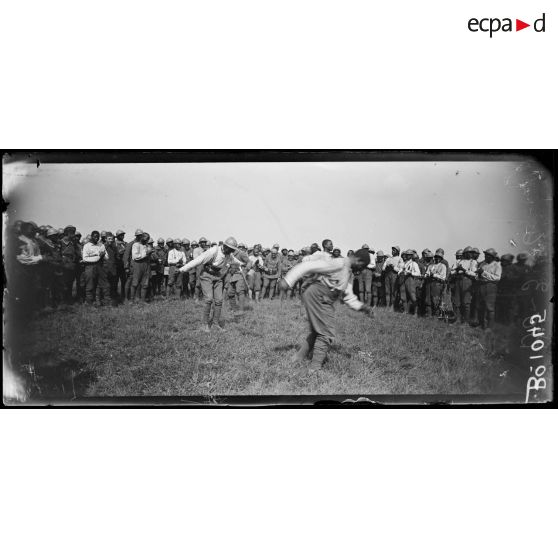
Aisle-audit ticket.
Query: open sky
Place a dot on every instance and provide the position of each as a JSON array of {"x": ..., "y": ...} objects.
[{"x": 411, "y": 204}]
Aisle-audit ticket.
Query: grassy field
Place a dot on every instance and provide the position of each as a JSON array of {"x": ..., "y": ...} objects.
[{"x": 158, "y": 349}]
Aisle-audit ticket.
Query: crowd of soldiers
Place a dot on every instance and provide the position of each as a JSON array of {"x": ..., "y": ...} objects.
[{"x": 53, "y": 267}]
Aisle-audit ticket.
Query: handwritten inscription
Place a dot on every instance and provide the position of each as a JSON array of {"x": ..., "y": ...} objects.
[{"x": 537, "y": 370}]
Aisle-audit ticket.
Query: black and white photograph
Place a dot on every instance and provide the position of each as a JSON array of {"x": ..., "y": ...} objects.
[{"x": 277, "y": 277}]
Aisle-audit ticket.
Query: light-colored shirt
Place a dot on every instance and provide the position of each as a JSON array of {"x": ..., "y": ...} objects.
[
  {"x": 470, "y": 267},
  {"x": 175, "y": 257},
  {"x": 92, "y": 252},
  {"x": 454, "y": 267},
  {"x": 334, "y": 273},
  {"x": 491, "y": 272},
  {"x": 372, "y": 264},
  {"x": 214, "y": 256},
  {"x": 438, "y": 271},
  {"x": 396, "y": 262},
  {"x": 319, "y": 255},
  {"x": 411, "y": 268},
  {"x": 197, "y": 252},
  {"x": 139, "y": 251}
]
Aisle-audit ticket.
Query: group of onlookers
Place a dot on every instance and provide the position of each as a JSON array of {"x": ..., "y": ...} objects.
[{"x": 53, "y": 267}]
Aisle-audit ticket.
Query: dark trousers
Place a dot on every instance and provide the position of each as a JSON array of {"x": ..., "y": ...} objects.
[
  {"x": 408, "y": 293},
  {"x": 141, "y": 273},
  {"x": 96, "y": 284},
  {"x": 122, "y": 278},
  {"x": 390, "y": 283},
  {"x": 487, "y": 304},
  {"x": 69, "y": 277},
  {"x": 269, "y": 284},
  {"x": 175, "y": 279},
  {"x": 318, "y": 301},
  {"x": 434, "y": 291},
  {"x": 112, "y": 280},
  {"x": 237, "y": 287},
  {"x": 465, "y": 289},
  {"x": 212, "y": 288}
]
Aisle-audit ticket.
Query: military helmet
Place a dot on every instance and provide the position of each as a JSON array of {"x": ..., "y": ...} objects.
[
  {"x": 185, "y": 241},
  {"x": 475, "y": 251},
  {"x": 522, "y": 256},
  {"x": 276, "y": 246},
  {"x": 242, "y": 245},
  {"x": 365, "y": 247},
  {"x": 108, "y": 233},
  {"x": 396, "y": 248},
  {"x": 491, "y": 252},
  {"x": 427, "y": 253},
  {"x": 459, "y": 252},
  {"x": 203, "y": 239},
  {"x": 160, "y": 241},
  {"x": 119, "y": 232},
  {"x": 231, "y": 243},
  {"x": 194, "y": 243},
  {"x": 507, "y": 257},
  {"x": 169, "y": 240},
  {"x": 103, "y": 234},
  {"x": 69, "y": 228},
  {"x": 467, "y": 249},
  {"x": 150, "y": 240},
  {"x": 176, "y": 240},
  {"x": 51, "y": 232},
  {"x": 138, "y": 232},
  {"x": 439, "y": 252},
  {"x": 379, "y": 254}
]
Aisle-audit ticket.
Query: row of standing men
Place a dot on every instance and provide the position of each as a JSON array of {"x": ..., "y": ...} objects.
[{"x": 61, "y": 267}]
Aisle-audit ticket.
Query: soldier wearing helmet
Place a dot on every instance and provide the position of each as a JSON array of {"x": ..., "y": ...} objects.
[
  {"x": 94, "y": 255},
  {"x": 270, "y": 273},
  {"x": 435, "y": 275},
  {"x": 378, "y": 294},
  {"x": 365, "y": 278},
  {"x": 141, "y": 266},
  {"x": 110, "y": 266},
  {"x": 70, "y": 261},
  {"x": 393, "y": 266},
  {"x": 489, "y": 273},
  {"x": 194, "y": 275},
  {"x": 255, "y": 273},
  {"x": 127, "y": 262},
  {"x": 286, "y": 265},
  {"x": 120, "y": 267},
  {"x": 466, "y": 271},
  {"x": 188, "y": 256},
  {"x": 53, "y": 270},
  {"x": 236, "y": 282},
  {"x": 175, "y": 260},
  {"x": 159, "y": 258},
  {"x": 454, "y": 282},
  {"x": 214, "y": 264}
]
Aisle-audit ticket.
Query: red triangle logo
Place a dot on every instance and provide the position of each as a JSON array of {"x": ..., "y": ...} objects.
[{"x": 519, "y": 25}]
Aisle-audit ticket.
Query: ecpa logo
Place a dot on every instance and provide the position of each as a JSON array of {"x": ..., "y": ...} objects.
[{"x": 494, "y": 24}]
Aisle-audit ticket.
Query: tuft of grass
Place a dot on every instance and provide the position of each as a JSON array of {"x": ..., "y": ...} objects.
[{"x": 158, "y": 349}]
